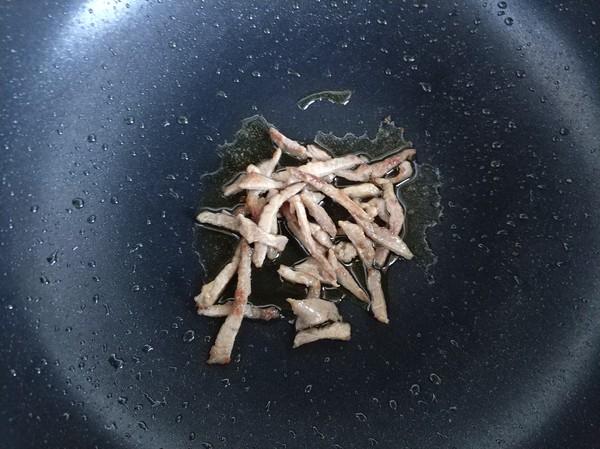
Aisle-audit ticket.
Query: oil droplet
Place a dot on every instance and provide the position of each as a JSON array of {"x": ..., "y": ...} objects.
[
  {"x": 115, "y": 362},
  {"x": 129, "y": 120},
  {"x": 426, "y": 86},
  {"x": 189, "y": 336},
  {"x": 91, "y": 219},
  {"x": 509, "y": 21},
  {"x": 435, "y": 379},
  {"x": 78, "y": 203},
  {"x": 182, "y": 120},
  {"x": 564, "y": 131},
  {"x": 52, "y": 258},
  {"x": 91, "y": 138}
]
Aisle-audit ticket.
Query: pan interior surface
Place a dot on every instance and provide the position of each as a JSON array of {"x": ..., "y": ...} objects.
[{"x": 113, "y": 111}]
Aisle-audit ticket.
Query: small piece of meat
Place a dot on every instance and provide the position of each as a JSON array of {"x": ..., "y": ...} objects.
[
  {"x": 345, "y": 279},
  {"x": 378, "y": 306},
  {"x": 256, "y": 181},
  {"x": 220, "y": 353},
  {"x": 268, "y": 219},
  {"x": 312, "y": 312},
  {"x": 210, "y": 293},
  {"x": 370, "y": 210},
  {"x": 302, "y": 278},
  {"x": 252, "y": 233},
  {"x": 364, "y": 172},
  {"x": 320, "y": 236},
  {"x": 382, "y": 212},
  {"x": 405, "y": 171},
  {"x": 250, "y": 311},
  {"x": 366, "y": 190},
  {"x": 317, "y": 154},
  {"x": 396, "y": 220},
  {"x": 345, "y": 251},
  {"x": 332, "y": 192},
  {"x": 268, "y": 166},
  {"x": 287, "y": 145},
  {"x": 333, "y": 331},
  {"x": 364, "y": 246},
  {"x": 220, "y": 219},
  {"x": 318, "y": 213},
  {"x": 330, "y": 166},
  {"x": 386, "y": 238}
]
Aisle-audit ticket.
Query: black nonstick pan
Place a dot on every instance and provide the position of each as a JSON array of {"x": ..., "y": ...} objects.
[{"x": 113, "y": 111}]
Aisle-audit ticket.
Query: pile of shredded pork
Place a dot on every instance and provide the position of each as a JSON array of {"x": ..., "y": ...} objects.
[{"x": 294, "y": 196}]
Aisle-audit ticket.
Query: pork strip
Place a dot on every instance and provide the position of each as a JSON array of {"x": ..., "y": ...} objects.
[
  {"x": 318, "y": 213},
  {"x": 268, "y": 219},
  {"x": 333, "y": 331},
  {"x": 257, "y": 181},
  {"x": 405, "y": 171},
  {"x": 252, "y": 233},
  {"x": 378, "y": 305},
  {"x": 364, "y": 172},
  {"x": 250, "y": 311},
  {"x": 364, "y": 246},
  {"x": 365, "y": 190},
  {"x": 302, "y": 278},
  {"x": 396, "y": 221},
  {"x": 312, "y": 312},
  {"x": 220, "y": 219},
  {"x": 327, "y": 167},
  {"x": 345, "y": 279},
  {"x": 210, "y": 293},
  {"x": 317, "y": 154},
  {"x": 288, "y": 145},
  {"x": 220, "y": 353}
]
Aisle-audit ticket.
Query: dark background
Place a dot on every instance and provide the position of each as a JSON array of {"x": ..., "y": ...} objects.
[{"x": 501, "y": 350}]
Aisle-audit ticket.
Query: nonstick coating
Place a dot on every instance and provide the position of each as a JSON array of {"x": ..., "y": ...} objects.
[{"x": 100, "y": 183}]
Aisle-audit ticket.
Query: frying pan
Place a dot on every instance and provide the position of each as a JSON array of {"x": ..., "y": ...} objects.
[{"x": 498, "y": 346}]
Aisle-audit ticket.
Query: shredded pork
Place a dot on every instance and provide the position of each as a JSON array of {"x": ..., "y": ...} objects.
[{"x": 279, "y": 198}]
